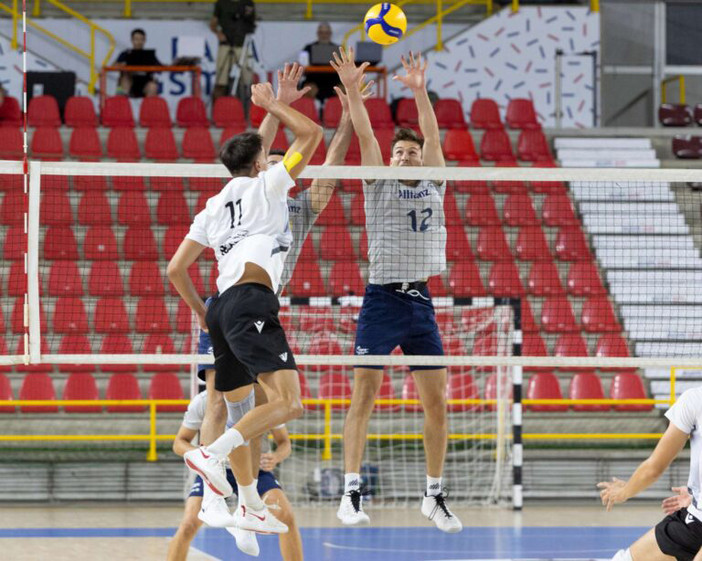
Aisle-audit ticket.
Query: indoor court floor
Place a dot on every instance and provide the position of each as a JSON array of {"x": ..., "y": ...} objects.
[{"x": 140, "y": 532}]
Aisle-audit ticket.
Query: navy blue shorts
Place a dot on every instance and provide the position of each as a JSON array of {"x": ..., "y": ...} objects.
[
  {"x": 266, "y": 482},
  {"x": 390, "y": 319}
]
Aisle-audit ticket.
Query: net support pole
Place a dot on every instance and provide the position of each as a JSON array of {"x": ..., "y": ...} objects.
[
  {"x": 517, "y": 446},
  {"x": 33, "y": 262}
]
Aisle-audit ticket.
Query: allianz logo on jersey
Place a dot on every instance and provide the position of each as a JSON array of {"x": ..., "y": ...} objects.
[
  {"x": 412, "y": 194},
  {"x": 294, "y": 209},
  {"x": 233, "y": 240}
]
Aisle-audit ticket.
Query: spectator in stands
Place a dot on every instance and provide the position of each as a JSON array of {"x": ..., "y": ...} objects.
[
  {"x": 137, "y": 84},
  {"x": 232, "y": 21},
  {"x": 321, "y": 84}
]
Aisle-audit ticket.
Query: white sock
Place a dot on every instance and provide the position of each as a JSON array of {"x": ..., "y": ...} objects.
[
  {"x": 622, "y": 555},
  {"x": 248, "y": 496},
  {"x": 433, "y": 486},
  {"x": 226, "y": 443},
  {"x": 352, "y": 482}
]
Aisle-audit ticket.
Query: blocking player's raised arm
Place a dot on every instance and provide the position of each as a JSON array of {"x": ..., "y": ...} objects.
[
  {"x": 307, "y": 133},
  {"x": 415, "y": 80},
  {"x": 351, "y": 77}
]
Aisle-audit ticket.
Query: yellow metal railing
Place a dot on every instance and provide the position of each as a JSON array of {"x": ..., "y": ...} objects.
[
  {"x": 594, "y": 5},
  {"x": 16, "y": 14},
  {"x": 680, "y": 79}
]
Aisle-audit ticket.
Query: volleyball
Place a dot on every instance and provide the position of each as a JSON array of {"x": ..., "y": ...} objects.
[{"x": 385, "y": 23}]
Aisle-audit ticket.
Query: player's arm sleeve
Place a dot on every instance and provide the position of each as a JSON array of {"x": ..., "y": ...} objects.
[
  {"x": 198, "y": 232},
  {"x": 277, "y": 180},
  {"x": 683, "y": 413},
  {"x": 192, "y": 419}
]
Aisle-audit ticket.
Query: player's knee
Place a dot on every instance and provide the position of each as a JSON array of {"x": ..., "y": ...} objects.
[
  {"x": 435, "y": 410},
  {"x": 189, "y": 528},
  {"x": 294, "y": 407},
  {"x": 286, "y": 516},
  {"x": 217, "y": 408}
]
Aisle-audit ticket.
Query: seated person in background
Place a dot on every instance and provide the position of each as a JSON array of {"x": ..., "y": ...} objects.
[
  {"x": 321, "y": 83},
  {"x": 137, "y": 84}
]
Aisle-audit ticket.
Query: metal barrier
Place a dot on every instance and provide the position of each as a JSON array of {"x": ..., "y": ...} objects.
[{"x": 680, "y": 79}]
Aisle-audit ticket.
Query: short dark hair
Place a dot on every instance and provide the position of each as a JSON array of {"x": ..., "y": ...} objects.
[
  {"x": 276, "y": 152},
  {"x": 408, "y": 135},
  {"x": 137, "y": 30},
  {"x": 240, "y": 152}
]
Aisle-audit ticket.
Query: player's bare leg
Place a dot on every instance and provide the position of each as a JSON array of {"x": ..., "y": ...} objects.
[
  {"x": 644, "y": 549},
  {"x": 290, "y": 543},
  {"x": 431, "y": 386},
  {"x": 366, "y": 384},
  {"x": 215, "y": 420},
  {"x": 180, "y": 544}
]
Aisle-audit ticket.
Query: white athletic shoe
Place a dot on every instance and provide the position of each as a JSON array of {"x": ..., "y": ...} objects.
[
  {"x": 209, "y": 467},
  {"x": 215, "y": 513},
  {"x": 435, "y": 509},
  {"x": 351, "y": 510},
  {"x": 245, "y": 540},
  {"x": 260, "y": 521}
]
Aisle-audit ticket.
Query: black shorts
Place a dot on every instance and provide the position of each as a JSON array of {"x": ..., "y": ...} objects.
[
  {"x": 247, "y": 338},
  {"x": 679, "y": 535}
]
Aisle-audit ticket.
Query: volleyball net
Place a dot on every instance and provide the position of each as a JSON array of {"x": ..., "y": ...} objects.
[{"x": 585, "y": 282}]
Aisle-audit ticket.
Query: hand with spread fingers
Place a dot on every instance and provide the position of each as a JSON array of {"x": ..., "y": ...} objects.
[
  {"x": 288, "y": 79},
  {"x": 262, "y": 95},
  {"x": 366, "y": 92},
  {"x": 680, "y": 500},
  {"x": 415, "y": 77},
  {"x": 612, "y": 492},
  {"x": 349, "y": 74}
]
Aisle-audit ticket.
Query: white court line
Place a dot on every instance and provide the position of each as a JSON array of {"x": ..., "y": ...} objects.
[
  {"x": 205, "y": 555},
  {"x": 395, "y": 550}
]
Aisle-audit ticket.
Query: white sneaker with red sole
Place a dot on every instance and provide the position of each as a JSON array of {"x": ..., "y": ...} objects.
[
  {"x": 245, "y": 540},
  {"x": 260, "y": 521},
  {"x": 210, "y": 468}
]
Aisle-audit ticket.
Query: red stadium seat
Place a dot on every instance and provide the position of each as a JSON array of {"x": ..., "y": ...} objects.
[
  {"x": 56, "y": 209},
  {"x": 122, "y": 145},
  {"x": 228, "y": 112},
  {"x": 358, "y": 213},
  {"x": 123, "y": 386},
  {"x": 280, "y": 142},
  {"x": 407, "y": 115},
  {"x": 628, "y": 385},
  {"x": 117, "y": 112},
  {"x": 491, "y": 390},
  {"x": 172, "y": 208},
  {"x": 449, "y": 114},
  {"x": 43, "y": 111},
  {"x": 140, "y": 244},
  {"x": 521, "y": 114},
  {"x": 598, "y": 316},
  {"x": 533, "y": 345},
  {"x": 145, "y": 279},
  {"x": 166, "y": 385},
  {"x": 15, "y": 243},
  {"x": 100, "y": 244},
  {"x": 436, "y": 286},
  {"x": 675, "y": 115},
  {"x": 409, "y": 391},
  {"x": 10, "y": 113},
  {"x": 484, "y": 114},
  {"x": 196, "y": 278},
  {"x": 612, "y": 345},
  {"x": 465, "y": 281},
  {"x": 571, "y": 245},
  {"x": 80, "y": 112},
  {"x": 154, "y": 113},
  {"x": 65, "y": 279},
  {"x": 495, "y": 146},
  {"x": 492, "y": 245},
  {"x": 335, "y": 385},
  {"x": 126, "y": 183},
  {"x": 116, "y": 344},
  {"x": 333, "y": 213},
  {"x": 697, "y": 113},
  {"x": 481, "y": 211},
  {"x": 336, "y": 244},
  {"x": 547, "y": 187},
  {"x": 462, "y": 386},
  {"x": 570, "y": 344},
  {"x": 557, "y": 211},
  {"x": 307, "y": 106},
  {"x": 458, "y": 146},
  {"x": 256, "y": 116},
  {"x": 451, "y": 213},
  {"x": 13, "y": 208},
  {"x": 532, "y": 146},
  {"x": 504, "y": 280},
  {"x": 111, "y": 316},
  {"x": 184, "y": 318},
  {"x": 160, "y": 145},
  {"x": 133, "y": 209},
  {"x": 151, "y": 316},
  {"x": 163, "y": 184},
  {"x": 11, "y": 144},
  {"x": 379, "y": 113},
  {"x": 159, "y": 344},
  {"x": 75, "y": 345},
  {"x": 191, "y": 112},
  {"x": 230, "y": 132},
  {"x": 544, "y": 385},
  {"x": 173, "y": 237},
  {"x": 85, "y": 144},
  {"x": 198, "y": 145},
  {"x": 509, "y": 187},
  {"x": 687, "y": 147},
  {"x": 81, "y": 386},
  {"x": 38, "y": 386},
  {"x": 60, "y": 243},
  {"x": 331, "y": 114},
  {"x": 457, "y": 244},
  {"x": 584, "y": 280},
  {"x": 587, "y": 385},
  {"x": 557, "y": 316},
  {"x": 6, "y": 392},
  {"x": 90, "y": 183},
  {"x": 345, "y": 279},
  {"x": 519, "y": 211},
  {"x": 47, "y": 144},
  {"x": 320, "y": 320},
  {"x": 17, "y": 280},
  {"x": 544, "y": 280}
]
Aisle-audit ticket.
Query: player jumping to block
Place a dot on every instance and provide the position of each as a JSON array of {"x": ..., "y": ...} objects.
[
  {"x": 247, "y": 224},
  {"x": 406, "y": 246},
  {"x": 678, "y": 535}
]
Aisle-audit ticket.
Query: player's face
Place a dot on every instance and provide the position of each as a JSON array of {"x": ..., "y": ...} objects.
[
  {"x": 406, "y": 153},
  {"x": 138, "y": 41},
  {"x": 273, "y": 159}
]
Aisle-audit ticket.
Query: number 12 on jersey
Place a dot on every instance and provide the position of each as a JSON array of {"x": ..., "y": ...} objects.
[
  {"x": 427, "y": 212},
  {"x": 230, "y": 206}
]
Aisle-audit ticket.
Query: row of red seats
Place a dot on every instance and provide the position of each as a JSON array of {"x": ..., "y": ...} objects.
[
  {"x": 229, "y": 112},
  {"x": 687, "y": 147},
  {"x": 679, "y": 114}
]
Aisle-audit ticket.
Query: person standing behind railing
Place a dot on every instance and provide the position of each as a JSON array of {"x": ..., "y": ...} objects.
[
  {"x": 137, "y": 84},
  {"x": 232, "y": 21}
]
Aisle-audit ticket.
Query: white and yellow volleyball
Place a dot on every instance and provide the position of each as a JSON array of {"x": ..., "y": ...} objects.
[{"x": 385, "y": 23}]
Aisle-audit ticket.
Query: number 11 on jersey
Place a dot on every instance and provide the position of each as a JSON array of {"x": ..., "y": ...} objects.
[{"x": 230, "y": 206}]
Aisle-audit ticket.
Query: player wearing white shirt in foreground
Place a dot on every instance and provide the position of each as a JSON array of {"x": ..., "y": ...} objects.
[
  {"x": 678, "y": 535},
  {"x": 291, "y": 542},
  {"x": 247, "y": 224}
]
